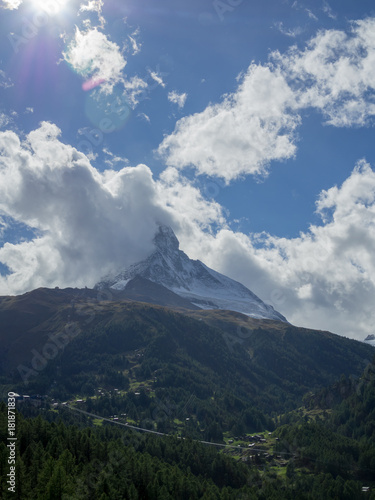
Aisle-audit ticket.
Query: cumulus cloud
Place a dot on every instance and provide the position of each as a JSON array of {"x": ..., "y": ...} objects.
[
  {"x": 177, "y": 98},
  {"x": 186, "y": 205},
  {"x": 10, "y": 4},
  {"x": 101, "y": 62},
  {"x": 240, "y": 135},
  {"x": 96, "y": 58},
  {"x": 336, "y": 73},
  {"x": 256, "y": 124},
  {"x": 89, "y": 222},
  {"x": 323, "y": 279}
]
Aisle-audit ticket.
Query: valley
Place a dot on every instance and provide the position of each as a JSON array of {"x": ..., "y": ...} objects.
[{"x": 262, "y": 393}]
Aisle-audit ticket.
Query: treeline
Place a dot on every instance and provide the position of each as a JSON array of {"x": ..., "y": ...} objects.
[
  {"x": 56, "y": 461},
  {"x": 315, "y": 446},
  {"x": 353, "y": 402},
  {"x": 341, "y": 441},
  {"x": 274, "y": 369},
  {"x": 239, "y": 387}
]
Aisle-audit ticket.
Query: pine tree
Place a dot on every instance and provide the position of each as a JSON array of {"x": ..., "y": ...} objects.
[{"x": 57, "y": 484}]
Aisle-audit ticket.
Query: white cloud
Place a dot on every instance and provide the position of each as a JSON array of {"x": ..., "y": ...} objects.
[
  {"x": 292, "y": 33},
  {"x": 96, "y": 58},
  {"x": 114, "y": 161},
  {"x": 10, "y": 4},
  {"x": 336, "y": 73},
  {"x": 5, "y": 81},
  {"x": 135, "y": 44},
  {"x": 157, "y": 76},
  {"x": 4, "y": 120},
  {"x": 88, "y": 221},
  {"x": 145, "y": 117},
  {"x": 323, "y": 279},
  {"x": 255, "y": 125},
  {"x": 136, "y": 90},
  {"x": 327, "y": 9},
  {"x": 242, "y": 134},
  {"x": 311, "y": 15},
  {"x": 185, "y": 203},
  {"x": 3, "y": 226},
  {"x": 101, "y": 63},
  {"x": 94, "y": 6},
  {"x": 177, "y": 98}
]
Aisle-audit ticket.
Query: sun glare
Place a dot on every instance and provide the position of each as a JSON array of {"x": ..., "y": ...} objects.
[{"x": 51, "y": 7}]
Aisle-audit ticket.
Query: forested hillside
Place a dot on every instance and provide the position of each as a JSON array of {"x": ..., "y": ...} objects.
[
  {"x": 285, "y": 412},
  {"x": 222, "y": 370},
  {"x": 62, "y": 456}
]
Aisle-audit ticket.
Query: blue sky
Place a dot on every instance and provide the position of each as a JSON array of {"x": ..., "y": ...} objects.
[{"x": 247, "y": 126}]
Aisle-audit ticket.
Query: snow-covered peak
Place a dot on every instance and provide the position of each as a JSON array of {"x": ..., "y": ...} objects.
[
  {"x": 165, "y": 239},
  {"x": 191, "y": 279}
]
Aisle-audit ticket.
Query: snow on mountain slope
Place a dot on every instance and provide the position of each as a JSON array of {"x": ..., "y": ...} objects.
[{"x": 191, "y": 279}]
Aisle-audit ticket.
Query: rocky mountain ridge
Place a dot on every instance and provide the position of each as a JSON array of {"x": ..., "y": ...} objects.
[{"x": 190, "y": 279}]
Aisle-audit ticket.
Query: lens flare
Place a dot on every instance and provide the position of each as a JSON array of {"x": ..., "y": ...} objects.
[{"x": 52, "y": 7}]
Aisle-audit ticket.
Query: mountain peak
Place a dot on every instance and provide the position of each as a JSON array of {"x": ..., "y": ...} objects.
[
  {"x": 165, "y": 239},
  {"x": 191, "y": 279}
]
